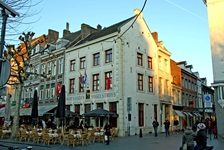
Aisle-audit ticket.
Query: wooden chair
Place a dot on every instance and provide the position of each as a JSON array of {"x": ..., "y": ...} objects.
[
  {"x": 35, "y": 137},
  {"x": 1, "y": 134},
  {"x": 116, "y": 132},
  {"x": 71, "y": 140},
  {"x": 46, "y": 139},
  {"x": 113, "y": 132},
  {"x": 17, "y": 136},
  {"x": 62, "y": 138},
  {"x": 23, "y": 135},
  {"x": 86, "y": 138}
]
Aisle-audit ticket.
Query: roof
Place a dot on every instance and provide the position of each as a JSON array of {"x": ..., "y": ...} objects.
[
  {"x": 105, "y": 31},
  {"x": 72, "y": 36}
]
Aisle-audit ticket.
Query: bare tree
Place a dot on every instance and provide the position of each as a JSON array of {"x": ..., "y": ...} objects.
[
  {"x": 20, "y": 58},
  {"x": 24, "y": 8}
]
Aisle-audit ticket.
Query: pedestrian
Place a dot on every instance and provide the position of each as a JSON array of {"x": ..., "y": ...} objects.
[
  {"x": 155, "y": 125},
  {"x": 215, "y": 132},
  {"x": 188, "y": 139},
  {"x": 184, "y": 124},
  {"x": 43, "y": 124},
  {"x": 49, "y": 123},
  {"x": 107, "y": 128},
  {"x": 176, "y": 124},
  {"x": 201, "y": 138},
  {"x": 167, "y": 127}
]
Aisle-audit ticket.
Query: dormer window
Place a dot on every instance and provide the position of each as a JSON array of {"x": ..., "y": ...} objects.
[{"x": 58, "y": 45}]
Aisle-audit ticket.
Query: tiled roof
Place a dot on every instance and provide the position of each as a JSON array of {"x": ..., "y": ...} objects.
[
  {"x": 105, "y": 31},
  {"x": 72, "y": 36}
]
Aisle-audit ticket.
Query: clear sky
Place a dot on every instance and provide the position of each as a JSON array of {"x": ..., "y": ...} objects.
[{"x": 181, "y": 24}]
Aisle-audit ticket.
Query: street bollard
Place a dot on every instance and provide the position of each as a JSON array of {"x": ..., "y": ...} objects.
[{"x": 140, "y": 133}]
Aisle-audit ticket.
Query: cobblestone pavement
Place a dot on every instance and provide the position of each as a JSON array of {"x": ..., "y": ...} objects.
[{"x": 148, "y": 141}]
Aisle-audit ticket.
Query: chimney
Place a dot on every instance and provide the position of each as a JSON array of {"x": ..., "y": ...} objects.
[
  {"x": 66, "y": 31},
  {"x": 52, "y": 35},
  {"x": 155, "y": 36},
  {"x": 99, "y": 27},
  {"x": 67, "y": 26}
]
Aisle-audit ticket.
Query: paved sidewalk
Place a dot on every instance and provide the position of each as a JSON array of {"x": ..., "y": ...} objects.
[{"x": 121, "y": 143}]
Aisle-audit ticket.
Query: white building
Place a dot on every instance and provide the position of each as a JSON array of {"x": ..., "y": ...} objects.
[
  {"x": 216, "y": 30},
  {"x": 126, "y": 53}
]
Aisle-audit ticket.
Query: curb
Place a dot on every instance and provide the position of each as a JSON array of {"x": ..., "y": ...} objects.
[{"x": 25, "y": 143}]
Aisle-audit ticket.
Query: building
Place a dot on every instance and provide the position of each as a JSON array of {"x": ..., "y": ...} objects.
[
  {"x": 119, "y": 67},
  {"x": 216, "y": 29}
]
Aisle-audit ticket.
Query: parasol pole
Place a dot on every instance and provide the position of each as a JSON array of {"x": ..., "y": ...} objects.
[{"x": 99, "y": 121}]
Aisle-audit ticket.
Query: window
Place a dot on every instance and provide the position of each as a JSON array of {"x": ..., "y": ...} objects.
[
  {"x": 139, "y": 59},
  {"x": 149, "y": 62},
  {"x": 108, "y": 56},
  {"x": 47, "y": 93},
  {"x": 87, "y": 108},
  {"x": 83, "y": 63},
  {"x": 96, "y": 59},
  {"x": 160, "y": 62},
  {"x": 155, "y": 111},
  {"x": 49, "y": 67},
  {"x": 43, "y": 69},
  {"x": 77, "y": 109},
  {"x": 72, "y": 65},
  {"x": 96, "y": 82},
  {"x": 101, "y": 118},
  {"x": 41, "y": 94},
  {"x": 166, "y": 87},
  {"x": 71, "y": 85},
  {"x": 165, "y": 65},
  {"x": 52, "y": 92},
  {"x": 160, "y": 85},
  {"x": 150, "y": 84},
  {"x": 99, "y": 105},
  {"x": 108, "y": 80},
  {"x": 113, "y": 108},
  {"x": 140, "y": 82},
  {"x": 61, "y": 63},
  {"x": 54, "y": 68},
  {"x": 141, "y": 114}
]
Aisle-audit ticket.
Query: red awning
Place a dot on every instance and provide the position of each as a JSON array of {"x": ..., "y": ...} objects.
[
  {"x": 2, "y": 105},
  {"x": 26, "y": 105}
]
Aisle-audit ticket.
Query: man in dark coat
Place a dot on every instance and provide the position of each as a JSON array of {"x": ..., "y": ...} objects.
[
  {"x": 167, "y": 127},
  {"x": 107, "y": 128},
  {"x": 201, "y": 138},
  {"x": 155, "y": 125}
]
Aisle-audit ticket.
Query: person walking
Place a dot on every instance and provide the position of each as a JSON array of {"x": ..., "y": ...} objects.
[
  {"x": 188, "y": 139},
  {"x": 167, "y": 127},
  {"x": 176, "y": 124},
  {"x": 201, "y": 138},
  {"x": 215, "y": 132},
  {"x": 107, "y": 128},
  {"x": 155, "y": 125}
]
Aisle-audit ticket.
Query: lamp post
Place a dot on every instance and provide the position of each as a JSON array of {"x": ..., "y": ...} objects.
[{"x": 6, "y": 11}]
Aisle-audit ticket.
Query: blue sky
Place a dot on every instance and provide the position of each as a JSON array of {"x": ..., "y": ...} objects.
[{"x": 181, "y": 24}]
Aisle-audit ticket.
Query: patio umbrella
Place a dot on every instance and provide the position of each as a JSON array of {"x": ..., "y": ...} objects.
[
  {"x": 99, "y": 112},
  {"x": 60, "y": 112},
  {"x": 34, "y": 112},
  {"x": 69, "y": 114}
]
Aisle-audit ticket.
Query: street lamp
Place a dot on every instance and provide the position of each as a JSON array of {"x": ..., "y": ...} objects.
[{"x": 6, "y": 11}]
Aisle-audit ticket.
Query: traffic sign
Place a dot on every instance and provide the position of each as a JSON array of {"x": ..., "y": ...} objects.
[{"x": 5, "y": 72}]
